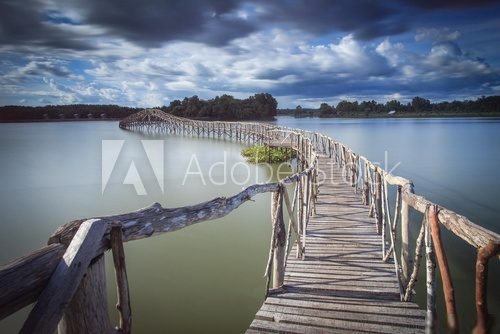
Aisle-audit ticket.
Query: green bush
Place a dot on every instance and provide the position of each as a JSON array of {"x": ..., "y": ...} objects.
[{"x": 261, "y": 153}]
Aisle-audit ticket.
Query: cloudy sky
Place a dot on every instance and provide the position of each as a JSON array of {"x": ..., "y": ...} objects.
[{"x": 150, "y": 52}]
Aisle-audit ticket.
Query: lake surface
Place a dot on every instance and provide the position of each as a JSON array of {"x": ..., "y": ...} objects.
[{"x": 208, "y": 278}]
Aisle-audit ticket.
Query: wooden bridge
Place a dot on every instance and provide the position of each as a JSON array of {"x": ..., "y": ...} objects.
[{"x": 351, "y": 267}]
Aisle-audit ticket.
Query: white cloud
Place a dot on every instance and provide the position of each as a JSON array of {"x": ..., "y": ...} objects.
[
  {"x": 392, "y": 52},
  {"x": 394, "y": 96},
  {"x": 436, "y": 34}
]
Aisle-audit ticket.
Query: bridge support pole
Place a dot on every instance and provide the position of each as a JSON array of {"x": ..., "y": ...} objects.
[
  {"x": 279, "y": 239},
  {"x": 378, "y": 201},
  {"x": 406, "y": 262}
]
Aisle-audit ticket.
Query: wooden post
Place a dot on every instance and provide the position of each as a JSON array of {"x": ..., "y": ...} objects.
[
  {"x": 405, "y": 237},
  {"x": 384, "y": 215},
  {"x": 366, "y": 185},
  {"x": 292, "y": 223},
  {"x": 88, "y": 311},
  {"x": 123, "y": 304},
  {"x": 416, "y": 264},
  {"x": 354, "y": 172},
  {"x": 300, "y": 214},
  {"x": 65, "y": 281},
  {"x": 448, "y": 290},
  {"x": 430, "y": 318},
  {"x": 378, "y": 200},
  {"x": 483, "y": 255},
  {"x": 279, "y": 239},
  {"x": 305, "y": 200}
]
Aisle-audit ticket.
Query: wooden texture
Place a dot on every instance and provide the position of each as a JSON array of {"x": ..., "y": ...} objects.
[
  {"x": 88, "y": 310},
  {"x": 448, "y": 290},
  {"x": 342, "y": 285},
  {"x": 22, "y": 280},
  {"x": 123, "y": 304},
  {"x": 405, "y": 240},
  {"x": 416, "y": 263},
  {"x": 430, "y": 281},
  {"x": 292, "y": 223},
  {"x": 378, "y": 201},
  {"x": 483, "y": 256},
  {"x": 66, "y": 278},
  {"x": 156, "y": 220},
  {"x": 477, "y": 236},
  {"x": 279, "y": 240}
]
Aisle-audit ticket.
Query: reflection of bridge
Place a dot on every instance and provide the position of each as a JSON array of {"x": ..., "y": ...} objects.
[{"x": 351, "y": 267}]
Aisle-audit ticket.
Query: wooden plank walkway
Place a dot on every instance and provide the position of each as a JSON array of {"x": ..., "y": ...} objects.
[{"x": 342, "y": 285}]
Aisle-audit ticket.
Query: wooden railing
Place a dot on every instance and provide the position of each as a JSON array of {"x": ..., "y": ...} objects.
[{"x": 67, "y": 278}]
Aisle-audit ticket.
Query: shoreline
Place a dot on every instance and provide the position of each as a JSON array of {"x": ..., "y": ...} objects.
[
  {"x": 406, "y": 115},
  {"x": 400, "y": 116}
]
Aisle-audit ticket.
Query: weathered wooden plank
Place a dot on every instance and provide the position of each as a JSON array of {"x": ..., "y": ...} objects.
[
  {"x": 297, "y": 294},
  {"x": 349, "y": 305},
  {"x": 262, "y": 326},
  {"x": 22, "y": 280},
  {"x": 66, "y": 278},
  {"x": 374, "y": 316},
  {"x": 335, "y": 324},
  {"x": 352, "y": 276}
]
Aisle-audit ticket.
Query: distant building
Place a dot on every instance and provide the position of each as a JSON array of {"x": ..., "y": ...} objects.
[
  {"x": 76, "y": 116},
  {"x": 89, "y": 115},
  {"x": 103, "y": 115},
  {"x": 392, "y": 112}
]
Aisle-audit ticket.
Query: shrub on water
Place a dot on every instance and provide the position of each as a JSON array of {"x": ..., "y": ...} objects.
[{"x": 261, "y": 153}]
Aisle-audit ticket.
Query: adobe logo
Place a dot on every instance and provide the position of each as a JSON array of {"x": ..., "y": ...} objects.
[{"x": 110, "y": 151}]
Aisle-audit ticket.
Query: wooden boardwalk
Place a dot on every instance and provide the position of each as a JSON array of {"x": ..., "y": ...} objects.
[{"x": 342, "y": 285}]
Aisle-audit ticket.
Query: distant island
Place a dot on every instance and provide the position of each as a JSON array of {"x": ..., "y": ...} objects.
[
  {"x": 419, "y": 107},
  {"x": 262, "y": 106}
]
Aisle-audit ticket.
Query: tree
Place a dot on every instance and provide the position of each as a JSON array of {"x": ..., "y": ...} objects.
[
  {"x": 393, "y": 105},
  {"x": 346, "y": 106},
  {"x": 325, "y": 110},
  {"x": 420, "y": 104},
  {"x": 298, "y": 111}
]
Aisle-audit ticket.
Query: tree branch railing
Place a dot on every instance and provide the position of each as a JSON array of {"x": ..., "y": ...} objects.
[{"x": 36, "y": 276}]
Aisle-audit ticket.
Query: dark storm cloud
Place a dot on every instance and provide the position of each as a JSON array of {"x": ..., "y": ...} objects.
[
  {"x": 153, "y": 22},
  {"x": 324, "y": 86},
  {"x": 438, "y": 4},
  {"x": 364, "y": 18},
  {"x": 21, "y": 24}
]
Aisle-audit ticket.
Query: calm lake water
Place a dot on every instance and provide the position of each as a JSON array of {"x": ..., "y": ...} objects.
[{"x": 208, "y": 278}]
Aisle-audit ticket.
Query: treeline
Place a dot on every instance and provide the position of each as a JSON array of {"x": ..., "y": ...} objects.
[
  {"x": 417, "y": 107},
  {"x": 64, "y": 112},
  {"x": 225, "y": 107},
  {"x": 259, "y": 106}
]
